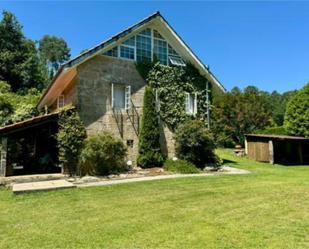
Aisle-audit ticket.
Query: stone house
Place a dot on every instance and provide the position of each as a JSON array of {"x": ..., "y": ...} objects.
[{"x": 106, "y": 88}]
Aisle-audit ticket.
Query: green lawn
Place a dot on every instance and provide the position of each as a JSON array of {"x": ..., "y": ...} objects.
[{"x": 266, "y": 209}]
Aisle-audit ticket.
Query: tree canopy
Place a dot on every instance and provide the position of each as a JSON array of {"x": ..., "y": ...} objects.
[
  {"x": 297, "y": 113},
  {"x": 20, "y": 65},
  {"x": 54, "y": 51}
]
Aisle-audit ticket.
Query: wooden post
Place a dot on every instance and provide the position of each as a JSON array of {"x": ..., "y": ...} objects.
[
  {"x": 271, "y": 152},
  {"x": 4, "y": 142},
  {"x": 300, "y": 153},
  {"x": 246, "y": 146}
]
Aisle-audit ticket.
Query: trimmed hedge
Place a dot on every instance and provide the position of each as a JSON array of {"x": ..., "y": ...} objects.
[{"x": 180, "y": 166}]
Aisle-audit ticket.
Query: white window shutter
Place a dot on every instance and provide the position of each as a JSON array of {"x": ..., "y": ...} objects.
[
  {"x": 128, "y": 97},
  {"x": 112, "y": 95},
  {"x": 195, "y": 103},
  {"x": 187, "y": 104}
]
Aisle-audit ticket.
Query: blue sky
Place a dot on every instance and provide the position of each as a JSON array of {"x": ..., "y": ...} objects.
[{"x": 245, "y": 43}]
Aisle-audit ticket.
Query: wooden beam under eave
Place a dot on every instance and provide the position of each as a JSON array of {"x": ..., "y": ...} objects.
[
  {"x": 4, "y": 142},
  {"x": 60, "y": 84}
]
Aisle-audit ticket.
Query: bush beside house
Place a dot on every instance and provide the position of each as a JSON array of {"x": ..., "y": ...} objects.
[
  {"x": 195, "y": 144},
  {"x": 102, "y": 154}
]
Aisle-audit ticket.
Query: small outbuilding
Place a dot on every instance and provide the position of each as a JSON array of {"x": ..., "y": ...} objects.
[{"x": 286, "y": 150}]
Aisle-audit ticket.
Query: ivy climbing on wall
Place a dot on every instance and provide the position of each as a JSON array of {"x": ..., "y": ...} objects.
[{"x": 171, "y": 85}]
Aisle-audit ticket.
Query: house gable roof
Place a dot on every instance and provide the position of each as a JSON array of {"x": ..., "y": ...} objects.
[{"x": 156, "y": 19}]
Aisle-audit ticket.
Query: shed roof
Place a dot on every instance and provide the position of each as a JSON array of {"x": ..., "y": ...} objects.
[
  {"x": 27, "y": 123},
  {"x": 277, "y": 137}
]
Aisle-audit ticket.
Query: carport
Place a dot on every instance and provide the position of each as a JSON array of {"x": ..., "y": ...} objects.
[
  {"x": 30, "y": 147},
  {"x": 286, "y": 150}
]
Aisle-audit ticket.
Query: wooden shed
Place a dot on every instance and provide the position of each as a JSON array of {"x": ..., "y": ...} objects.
[{"x": 286, "y": 150}]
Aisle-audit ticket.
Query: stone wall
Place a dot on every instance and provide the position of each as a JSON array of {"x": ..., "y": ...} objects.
[{"x": 94, "y": 80}]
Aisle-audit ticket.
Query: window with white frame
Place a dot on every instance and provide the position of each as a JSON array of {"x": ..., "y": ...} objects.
[
  {"x": 112, "y": 52},
  {"x": 143, "y": 47},
  {"x": 147, "y": 45},
  {"x": 121, "y": 96},
  {"x": 60, "y": 101},
  {"x": 174, "y": 58},
  {"x": 127, "y": 49},
  {"x": 191, "y": 103}
]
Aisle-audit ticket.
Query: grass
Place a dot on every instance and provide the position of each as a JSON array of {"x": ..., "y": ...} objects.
[{"x": 266, "y": 209}]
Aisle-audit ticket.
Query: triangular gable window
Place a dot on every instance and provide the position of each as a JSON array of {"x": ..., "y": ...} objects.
[
  {"x": 148, "y": 45},
  {"x": 113, "y": 52}
]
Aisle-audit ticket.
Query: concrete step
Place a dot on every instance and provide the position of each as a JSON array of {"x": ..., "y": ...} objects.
[
  {"x": 10, "y": 180},
  {"x": 19, "y": 188}
]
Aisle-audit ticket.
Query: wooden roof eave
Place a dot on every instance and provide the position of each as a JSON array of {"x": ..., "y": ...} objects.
[{"x": 27, "y": 124}]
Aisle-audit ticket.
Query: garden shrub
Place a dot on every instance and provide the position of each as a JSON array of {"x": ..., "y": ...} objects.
[
  {"x": 70, "y": 138},
  {"x": 150, "y": 154},
  {"x": 195, "y": 144},
  {"x": 180, "y": 166},
  {"x": 102, "y": 154}
]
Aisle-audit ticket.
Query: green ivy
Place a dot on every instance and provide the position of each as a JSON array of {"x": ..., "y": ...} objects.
[
  {"x": 70, "y": 138},
  {"x": 171, "y": 84}
]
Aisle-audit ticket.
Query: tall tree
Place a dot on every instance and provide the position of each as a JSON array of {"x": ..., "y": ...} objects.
[
  {"x": 237, "y": 113},
  {"x": 54, "y": 51},
  {"x": 20, "y": 65},
  {"x": 297, "y": 114},
  {"x": 149, "y": 144}
]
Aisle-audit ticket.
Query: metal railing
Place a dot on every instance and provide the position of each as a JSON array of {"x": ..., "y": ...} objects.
[{"x": 134, "y": 117}]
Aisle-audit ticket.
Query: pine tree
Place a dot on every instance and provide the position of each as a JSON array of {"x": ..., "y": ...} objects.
[{"x": 149, "y": 144}]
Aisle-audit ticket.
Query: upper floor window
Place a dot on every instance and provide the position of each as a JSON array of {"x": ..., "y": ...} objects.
[
  {"x": 121, "y": 96},
  {"x": 143, "y": 48},
  {"x": 127, "y": 52},
  {"x": 60, "y": 101},
  {"x": 113, "y": 52},
  {"x": 147, "y": 45},
  {"x": 160, "y": 50},
  {"x": 191, "y": 103}
]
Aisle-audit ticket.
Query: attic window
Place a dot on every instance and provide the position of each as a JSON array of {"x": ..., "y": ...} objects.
[
  {"x": 113, "y": 52},
  {"x": 60, "y": 101},
  {"x": 176, "y": 61},
  {"x": 127, "y": 52},
  {"x": 157, "y": 35},
  {"x": 160, "y": 50}
]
